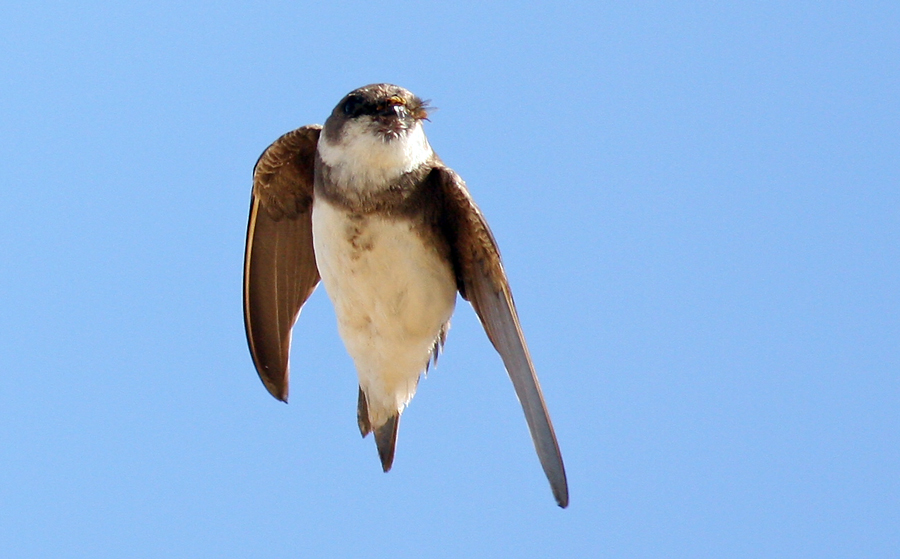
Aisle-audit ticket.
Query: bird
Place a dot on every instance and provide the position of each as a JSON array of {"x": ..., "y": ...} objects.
[{"x": 364, "y": 205}]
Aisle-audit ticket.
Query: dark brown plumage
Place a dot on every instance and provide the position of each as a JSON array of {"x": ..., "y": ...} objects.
[{"x": 279, "y": 263}]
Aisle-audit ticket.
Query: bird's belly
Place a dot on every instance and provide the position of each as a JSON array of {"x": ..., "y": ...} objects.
[{"x": 392, "y": 295}]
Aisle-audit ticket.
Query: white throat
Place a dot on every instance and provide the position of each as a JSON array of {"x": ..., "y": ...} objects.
[{"x": 364, "y": 161}]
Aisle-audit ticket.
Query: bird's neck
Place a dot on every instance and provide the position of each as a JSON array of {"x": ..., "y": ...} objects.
[{"x": 364, "y": 162}]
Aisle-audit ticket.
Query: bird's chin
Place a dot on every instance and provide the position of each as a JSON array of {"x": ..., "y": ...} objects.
[
  {"x": 391, "y": 129},
  {"x": 391, "y": 134}
]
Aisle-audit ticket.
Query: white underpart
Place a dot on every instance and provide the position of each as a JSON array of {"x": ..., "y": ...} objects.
[
  {"x": 391, "y": 300},
  {"x": 391, "y": 292},
  {"x": 363, "y": 159}
]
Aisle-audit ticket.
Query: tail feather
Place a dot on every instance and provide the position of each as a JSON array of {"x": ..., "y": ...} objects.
[
  {"x": 362, "y": 414},
  {"x": 385, "y": 436},
  {"x": 386, "y": 441}
]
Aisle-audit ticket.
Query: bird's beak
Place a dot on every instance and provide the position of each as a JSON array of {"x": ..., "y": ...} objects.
[{"x": 393, "y": 106}]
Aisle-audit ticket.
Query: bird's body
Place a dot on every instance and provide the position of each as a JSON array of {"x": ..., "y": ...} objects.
[
  {"x": 365, "y": 204},
  {"x": 393, "y": 296}
]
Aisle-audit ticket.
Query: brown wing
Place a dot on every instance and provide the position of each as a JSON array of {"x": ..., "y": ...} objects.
[
  {"x": 482, "y": 281},
  {"x": 279, "y": 263}
]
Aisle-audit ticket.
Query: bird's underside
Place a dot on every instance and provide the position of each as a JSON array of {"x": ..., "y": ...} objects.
[{"x": 393, "y": 295}]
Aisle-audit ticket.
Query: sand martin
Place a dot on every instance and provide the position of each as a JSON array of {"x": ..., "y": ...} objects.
[{"x": 365, "y": 205}]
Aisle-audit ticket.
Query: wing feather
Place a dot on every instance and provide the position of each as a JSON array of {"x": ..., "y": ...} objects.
[
  {"x": 483, "y": 282},
  {"x": 280, "y": 269}
]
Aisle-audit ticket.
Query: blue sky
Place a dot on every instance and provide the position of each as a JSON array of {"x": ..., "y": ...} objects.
[{"x": 698, "y": 206}]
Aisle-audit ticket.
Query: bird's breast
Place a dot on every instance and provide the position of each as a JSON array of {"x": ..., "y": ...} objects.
[{"x": 386, "y": 280}]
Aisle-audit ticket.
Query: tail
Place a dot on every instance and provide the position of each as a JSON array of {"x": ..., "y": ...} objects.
[{"x": 385, "y": 435}]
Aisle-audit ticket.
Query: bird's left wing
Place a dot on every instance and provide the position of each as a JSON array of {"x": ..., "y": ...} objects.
[
  {"x": 279, "y": 262},
  {"x": 482, "y": 281}
]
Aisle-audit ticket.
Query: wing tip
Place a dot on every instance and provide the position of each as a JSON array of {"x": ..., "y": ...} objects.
[
  {"x": 561, "y": 494},
  {"x": 278, "y": 390}
]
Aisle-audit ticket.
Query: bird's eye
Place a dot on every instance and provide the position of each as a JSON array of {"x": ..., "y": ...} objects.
[{"x": 352, "y": 105}]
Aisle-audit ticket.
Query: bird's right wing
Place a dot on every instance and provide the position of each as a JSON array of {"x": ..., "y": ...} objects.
[{"x": 280, "y": 269}]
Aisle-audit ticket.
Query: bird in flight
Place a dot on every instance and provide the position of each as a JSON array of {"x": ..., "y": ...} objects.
[{"x": 365, "y": 205}]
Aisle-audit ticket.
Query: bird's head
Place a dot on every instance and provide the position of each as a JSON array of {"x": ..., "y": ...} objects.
[
  {"x": 375, "y": 134},
  {"x": 385, "y": 110}
]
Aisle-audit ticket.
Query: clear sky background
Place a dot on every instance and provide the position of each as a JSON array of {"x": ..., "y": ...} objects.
[{"x": 698, "y": 207}]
